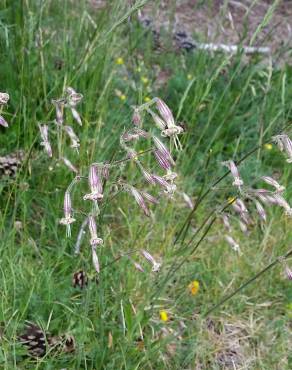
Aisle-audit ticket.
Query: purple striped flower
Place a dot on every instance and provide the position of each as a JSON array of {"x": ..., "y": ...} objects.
[
  {"x": 68, "y": 219},
  {"x": 149, "y": 198},
  {"x": 232, "y": 243},
  {"x": 94, "y": 184},
  {"x": 73, "y": 137},
  {"x": 95, "y": 260},
  {"x": 59, "y": 106},
  {"x": 157, "y": 120},
  {"x": 270, "y": 181},
  {"x": 44, "y": 131},
  {"x": 165, "y": 113},
  {"x": 136, "y": 119},
  {"x": 94, "y": 240},
  {"x": 155, "y": 265},
  {"x": 284, "y": 143},
  {"x": 69, "y": 165},
  {"x": 163, "y": 150},
  {"x": 226, "y": 223},
  {"x": 162, "y": 160},
  {"x": 234, "y": 172},
  {"x": 139, "y": 199},
  {"x": 3, "y": 122},
  {"x": 147, "y": 175},
  {"x": 261, "y": 211}
]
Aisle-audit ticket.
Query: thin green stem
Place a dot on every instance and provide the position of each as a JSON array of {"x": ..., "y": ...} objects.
[{"x": 244, "y": 285}]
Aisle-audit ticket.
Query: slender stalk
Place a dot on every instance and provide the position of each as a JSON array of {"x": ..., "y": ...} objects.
[{"x": 244, "y": 285}]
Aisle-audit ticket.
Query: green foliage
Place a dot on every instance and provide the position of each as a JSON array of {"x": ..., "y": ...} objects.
[{"x": 228, "y": 105}]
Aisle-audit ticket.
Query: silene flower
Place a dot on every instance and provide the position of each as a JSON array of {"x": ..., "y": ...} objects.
[
  {"x": 260, "y": 210},
  {"x": 287, "y": 270},
  {"x": 59, "y": 106},
  {"x": 155, "y": 265},
  {"x": 234, "y": 172},
  {"x": 69, "y": 165},
  {"x": 68, "y": 219},
  {"x": 73, "y": 137},
  {"x": 270, "y": 181},
  {"x": 94, "y": 240},
  {"x": 44, "y": 131},
  {"x": 232, "y": 243},
  {"x": 95, "y": 185},
  {"x": 284, "y": 144},
  {"x": 3, "y": 122},
  {"x": 139, "y": 199},
  {"x": 73, "y": 98}
]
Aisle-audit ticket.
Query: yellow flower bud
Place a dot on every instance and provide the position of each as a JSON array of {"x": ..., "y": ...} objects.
[
  {"x": 194, "y": 287},
  {"x": 119, "y": 61},
  {"x": 163, "y": 315},
  {"x": 268, "y": 146}
]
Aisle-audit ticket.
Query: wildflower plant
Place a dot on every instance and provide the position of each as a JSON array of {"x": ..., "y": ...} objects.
[{"x": 100, "y": 174}]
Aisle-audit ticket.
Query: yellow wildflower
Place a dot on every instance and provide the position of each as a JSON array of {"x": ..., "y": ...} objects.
[
  {"x": 123, "y": 97},
  {"x": 144, "y": 80},
  {"x": 189, "y": 76},
  {"x": 119, "y": 61},
  {"x": 194, "y": 287},
  {"x": 268, "y": 146},
  {"x": 163, "y": 315},
  {"x": 146, "y": 99}
]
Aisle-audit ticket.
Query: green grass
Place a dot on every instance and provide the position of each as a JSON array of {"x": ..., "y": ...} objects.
[{"x": 228, "y": 106}]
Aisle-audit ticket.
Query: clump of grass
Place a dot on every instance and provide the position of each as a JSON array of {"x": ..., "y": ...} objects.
[{"x": 129, "y": 316}]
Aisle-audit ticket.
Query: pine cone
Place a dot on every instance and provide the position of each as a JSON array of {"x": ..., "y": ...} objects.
[
  {"x": 9, "y": 164},
  {"x": 35, "y": 339},
  {"x": 80, "y": 279}
]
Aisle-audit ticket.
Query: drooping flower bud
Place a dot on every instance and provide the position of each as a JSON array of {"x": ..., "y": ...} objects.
[
  {"x": 73, "y": 137},
  {"x": 136, "y": 119},
  {"x": 261, "y": 211},
  {"x": 270, "y": 181},
  {"x": 44, "y": 131},
  {"x": 94, "y": 184},
  {"x": 234, "y": 172},
  {"x": 162, "y": 149},
  {"x": 232, "y": 243},
  {"x": 69, "y": 165},
  {"x": 3, "y": 122},
  {"x": 139, "y": 199},
  {"x": 95, "y": 261},
  {"x": 94, "y": 240},
  {"x": 68, "y": 219},
  {"x": 284, "y": 143},
  {"x": 165, "y": 113},
  {"x": 155, "y": 265}
]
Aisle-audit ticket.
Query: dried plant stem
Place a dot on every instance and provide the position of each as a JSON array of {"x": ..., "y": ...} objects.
[{"x": 244, "y": 285}]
